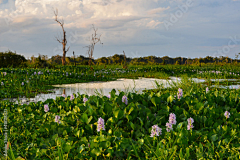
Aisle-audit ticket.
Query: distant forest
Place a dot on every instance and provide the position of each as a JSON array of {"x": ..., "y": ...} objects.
[{"x": 11, "y": 59}]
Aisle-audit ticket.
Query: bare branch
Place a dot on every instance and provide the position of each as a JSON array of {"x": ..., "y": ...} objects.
[
  {"x": 58, "y": 40},
  {"x": 67, "y": 49}
]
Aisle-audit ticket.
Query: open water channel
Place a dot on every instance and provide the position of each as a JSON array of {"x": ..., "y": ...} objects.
[{"x": 125, "y": 85}]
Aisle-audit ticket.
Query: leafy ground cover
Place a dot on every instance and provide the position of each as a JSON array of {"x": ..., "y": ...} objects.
[
  {"x": 187, "y": 121},
  {"x": 30, "y": 82}
]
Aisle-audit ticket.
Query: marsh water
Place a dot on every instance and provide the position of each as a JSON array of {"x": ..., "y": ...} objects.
[{"x": 122, "y": 84}]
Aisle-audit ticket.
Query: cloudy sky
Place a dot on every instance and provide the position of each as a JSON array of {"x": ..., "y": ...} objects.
[{"x": 174, "y": 28}]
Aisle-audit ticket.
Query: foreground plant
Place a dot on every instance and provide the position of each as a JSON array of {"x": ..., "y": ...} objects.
[
  {"x": 227, "y": 114},
  {"x": 100, "y": 124},
  {"x": 190, "y": 123}
]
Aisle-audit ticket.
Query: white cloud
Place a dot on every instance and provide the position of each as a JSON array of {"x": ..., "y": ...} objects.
[{"x": 121, "y": 23}]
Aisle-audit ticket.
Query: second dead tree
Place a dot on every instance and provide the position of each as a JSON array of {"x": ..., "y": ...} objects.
[{"x": 93, "y": 40}]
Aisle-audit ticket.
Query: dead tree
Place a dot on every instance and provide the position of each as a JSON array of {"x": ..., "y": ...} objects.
[
  {"x": 63, "y": 41},
  {"x": 93, "y": 41},
  {"x": 74, "y": 59},
  {"x": 125, "y": 62}
]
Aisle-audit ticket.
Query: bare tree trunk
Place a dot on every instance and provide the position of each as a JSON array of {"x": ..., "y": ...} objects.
[
  {"x": 125, "y": 62},
  {"x": 93, "y": 40},
  {"x": 64, "y": 40},
  {"x": 74, "y": 59}
]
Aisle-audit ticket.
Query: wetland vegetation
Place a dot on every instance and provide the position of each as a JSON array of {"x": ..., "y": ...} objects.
[{"x": 187, "y": 121}]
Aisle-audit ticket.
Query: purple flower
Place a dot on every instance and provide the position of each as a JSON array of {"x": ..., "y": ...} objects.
[
  {"x": 100, "y": 125},
  {"x": 2, "y": 83},
  {"x": 109, "y": 96},
  {"x": 22, "y": 83},
  {"x": 124, "y": 99},
  {"x": 35, "y": 73},
  {"x": 72, "y": 97},
  {"x": 180, "y": 93},
  {"x": 46, "y": 108},
  {"x": 227, "y": 114},
  {"x": 190, "y": 123},
  {"x": 63, "y": 95},
  {"x": 172, "y": 119},
  {"x": 155, "y": 131},
  {"x": 207, "y": 90},
  {"x": 169, "y": 127},
  {"x": 5, "y": 73},
  {"x": 57, "y": 119},
  {"x": 85, "y": 99}
]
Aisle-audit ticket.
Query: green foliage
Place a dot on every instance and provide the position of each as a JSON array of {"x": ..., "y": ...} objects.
[
  {"x": 34, "y": 134},
  {"x": 10, "y": 59}
]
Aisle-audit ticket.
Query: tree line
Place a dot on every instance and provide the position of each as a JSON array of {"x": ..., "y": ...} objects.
[{"x": 11, "y": 59}]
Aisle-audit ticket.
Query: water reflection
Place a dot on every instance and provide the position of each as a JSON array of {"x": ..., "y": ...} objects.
[{"x": 125, "y": 85}]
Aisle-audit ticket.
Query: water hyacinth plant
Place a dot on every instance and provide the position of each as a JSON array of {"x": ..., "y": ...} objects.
[
  {"x": 190, "y": 123},
  {"x": 46, "y": 108},
  {"x": 72, "y": 97},
  {"x": 169, "y": 127},
  {"x": 57, "y": 119},
  {"x": 227, "y": 114},
  {"x": 85, "y": 99},
  {"x": 129, "y": 129},
  {"x": 100, "y": 124},
  {"x": 156, "y": 131},
  {"x": 180, "y": 93},
  {"x": 172, "y": 119},
  {"x": 124, "y": 99}
]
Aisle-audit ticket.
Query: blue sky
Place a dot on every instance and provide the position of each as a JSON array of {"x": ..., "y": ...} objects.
[{"x": 174, "y": 28}]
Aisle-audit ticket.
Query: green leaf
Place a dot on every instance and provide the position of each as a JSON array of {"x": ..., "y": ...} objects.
[
  {"x": 179, "y": 126},
  {"x": 96, "y": 152},
  {"x": 55, "y": 136},
  {"x": 81, "y": 148},
  {"x": 116, "y": 113},
  {"x": 77, "y": 133},
  {"x": 214, "y": 137},
  {"x": 89, "y": 119},
  {"x": 141, "y": 141},
  {"x": 64, "y": 132},
  {"x": 170, "y": 99},
  {"x": 131, "y": 109},
  {"x": 140, "y": 121},
  {"x": 84, "y": 118},
  {"x": 113, "y": 92},
  {"x": 117, "y": 134},
  {"x": 188, "y": 154},
  {"x": 107, "y": 108},
  {"x": 67, "y": 147},
  {"x": 132, "y": 125}
]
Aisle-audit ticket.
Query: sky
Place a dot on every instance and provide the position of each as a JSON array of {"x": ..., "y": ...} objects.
[{"x": 141, "y": 28}]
